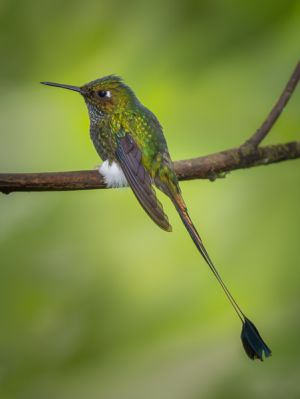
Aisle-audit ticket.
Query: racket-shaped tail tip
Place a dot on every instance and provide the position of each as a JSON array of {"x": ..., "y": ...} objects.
[{"x": 254, "y": 345}]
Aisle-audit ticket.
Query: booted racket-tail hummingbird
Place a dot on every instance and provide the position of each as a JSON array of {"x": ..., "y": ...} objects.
[{"x": 130, "y": 141}]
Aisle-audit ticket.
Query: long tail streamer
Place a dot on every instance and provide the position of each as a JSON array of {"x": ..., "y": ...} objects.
[{"x": 254, "y": 345}]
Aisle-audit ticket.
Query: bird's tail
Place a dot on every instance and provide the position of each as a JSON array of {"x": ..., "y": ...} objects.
[{"x": 253, "y": 344}]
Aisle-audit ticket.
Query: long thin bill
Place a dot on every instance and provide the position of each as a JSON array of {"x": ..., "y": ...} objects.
[{"x": 62, "y": 86}]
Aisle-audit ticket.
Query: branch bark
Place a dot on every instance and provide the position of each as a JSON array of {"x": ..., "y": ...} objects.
[
  {"x": 276, "y": 111},
  {"x": 210, "y": 167}
]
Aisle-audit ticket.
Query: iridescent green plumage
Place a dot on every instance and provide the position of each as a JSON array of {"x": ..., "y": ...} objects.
[
  {"x": 128, "y": 134},
  {"x": 123, "y": 113}
]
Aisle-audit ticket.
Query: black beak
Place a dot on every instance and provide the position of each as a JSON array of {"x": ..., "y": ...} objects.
[{"x": 68, "y": 87}]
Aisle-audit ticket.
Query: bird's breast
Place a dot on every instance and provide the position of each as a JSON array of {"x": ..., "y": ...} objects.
[{"x": 103, "y": 140}]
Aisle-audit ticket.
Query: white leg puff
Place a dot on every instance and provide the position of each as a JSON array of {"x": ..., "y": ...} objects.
[{"x": 113, "y": 174}]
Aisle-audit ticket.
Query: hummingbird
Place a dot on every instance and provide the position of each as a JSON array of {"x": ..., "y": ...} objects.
[{"x": 130, "y": 141}]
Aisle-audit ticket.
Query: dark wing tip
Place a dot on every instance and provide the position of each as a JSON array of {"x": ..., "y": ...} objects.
[
  {"x": 254, "y": 345},
  {"x": 166, "y": 226}
]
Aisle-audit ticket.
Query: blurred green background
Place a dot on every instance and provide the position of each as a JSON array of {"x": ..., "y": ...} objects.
[{"x": 95, "y": 300}]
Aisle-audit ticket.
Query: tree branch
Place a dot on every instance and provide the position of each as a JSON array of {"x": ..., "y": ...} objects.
[
  {"x": 207, "y": 167},
  {"x": 267, "y": 125},
  {"x": 210, "y": 167}
]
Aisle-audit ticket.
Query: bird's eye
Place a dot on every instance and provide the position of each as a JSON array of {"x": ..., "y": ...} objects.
[{"x": 104, "y": 93}]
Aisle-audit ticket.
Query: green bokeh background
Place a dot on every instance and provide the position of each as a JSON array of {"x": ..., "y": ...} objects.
[{"x": 95, "y": 300}]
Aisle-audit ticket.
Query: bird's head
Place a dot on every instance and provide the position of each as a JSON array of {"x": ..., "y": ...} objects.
[{"x": 107, "y": 95}]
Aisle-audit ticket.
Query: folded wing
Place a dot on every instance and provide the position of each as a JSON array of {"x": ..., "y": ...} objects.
[{"x": 129, "y": 157}]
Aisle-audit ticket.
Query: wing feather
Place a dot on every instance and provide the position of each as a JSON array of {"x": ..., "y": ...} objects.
[{"x": 129, "y": 157}]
